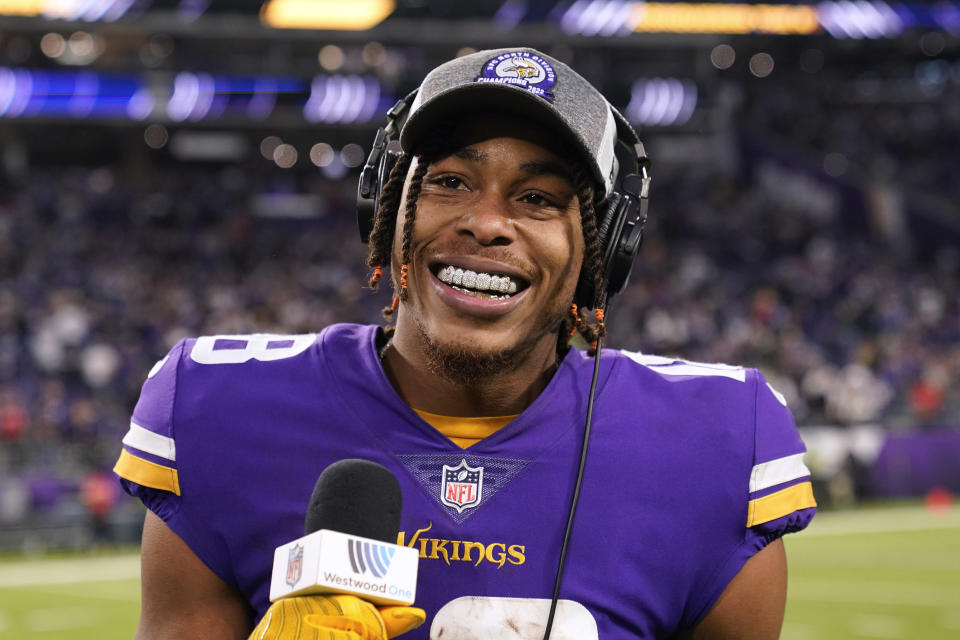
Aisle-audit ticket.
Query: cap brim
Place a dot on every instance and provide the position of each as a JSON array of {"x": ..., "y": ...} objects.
[{"x": 491, "y": 97}]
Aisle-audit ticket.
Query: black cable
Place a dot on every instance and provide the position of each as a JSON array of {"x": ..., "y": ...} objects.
[{"x": 576, "y": 492}]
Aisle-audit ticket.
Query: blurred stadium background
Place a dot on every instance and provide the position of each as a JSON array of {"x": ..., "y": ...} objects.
[{"x": 178, "y": 167}]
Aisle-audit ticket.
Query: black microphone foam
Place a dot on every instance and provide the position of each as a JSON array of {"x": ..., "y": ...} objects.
[{"x": 357, "y": 497}]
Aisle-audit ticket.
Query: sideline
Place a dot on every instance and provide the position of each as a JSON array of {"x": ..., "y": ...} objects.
[
  {"x": 80, "y": 570},
  {"x": 32, "y": 573},
  {"x": 882, "y": 520}
]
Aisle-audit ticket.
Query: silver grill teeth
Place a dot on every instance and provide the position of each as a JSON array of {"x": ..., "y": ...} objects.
[{"x": 486, "y": 282}]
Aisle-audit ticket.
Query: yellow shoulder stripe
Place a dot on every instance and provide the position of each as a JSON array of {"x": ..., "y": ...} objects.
[
  {"x": 776, "y": 505},
  {"x": 146, "y": 473}
]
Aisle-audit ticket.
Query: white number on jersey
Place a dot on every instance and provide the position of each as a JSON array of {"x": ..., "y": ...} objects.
[{"x": 259, "y": 346}]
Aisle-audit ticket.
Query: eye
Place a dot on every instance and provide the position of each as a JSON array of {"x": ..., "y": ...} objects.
[
  {"x": 447, "y": 182},
  {"x": 538, "y": 200}
]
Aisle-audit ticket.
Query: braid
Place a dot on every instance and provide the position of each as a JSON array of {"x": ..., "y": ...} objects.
[
  {"x": 592, "y": 263},
  {"x": 593, "y": 252},
  {"x": 410, "y": 211},
  {"x": 381, "y": 238}
]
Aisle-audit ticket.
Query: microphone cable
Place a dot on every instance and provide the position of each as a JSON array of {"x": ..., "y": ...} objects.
[{"x": 576, "y": 491}]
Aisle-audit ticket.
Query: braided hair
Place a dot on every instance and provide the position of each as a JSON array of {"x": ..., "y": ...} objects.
[{"x": 382, "y": 237}]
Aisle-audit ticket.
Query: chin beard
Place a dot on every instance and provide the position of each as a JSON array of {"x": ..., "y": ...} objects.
[{"x": 467, "y": 364}]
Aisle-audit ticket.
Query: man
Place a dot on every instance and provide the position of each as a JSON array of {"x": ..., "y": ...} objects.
[{"x": 489, "y": 226}]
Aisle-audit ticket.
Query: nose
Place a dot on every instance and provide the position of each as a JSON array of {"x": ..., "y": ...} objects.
[{"x": 488, "y": 220}]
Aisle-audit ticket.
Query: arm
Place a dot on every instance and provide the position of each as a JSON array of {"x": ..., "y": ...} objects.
[
  {"x": 181, "y": 596},
  {"x": 751, "y": 607}
]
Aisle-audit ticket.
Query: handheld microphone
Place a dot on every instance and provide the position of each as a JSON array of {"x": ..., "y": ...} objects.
[{"x": 351, "y": 524}]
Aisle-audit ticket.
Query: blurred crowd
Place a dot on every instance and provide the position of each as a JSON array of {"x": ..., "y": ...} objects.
[
  {"x": 101, "y": 273},
  {"x": 103, "y": 269},
  {"x": 893, "y": 122},
  {"x": 849, "y": 328}
]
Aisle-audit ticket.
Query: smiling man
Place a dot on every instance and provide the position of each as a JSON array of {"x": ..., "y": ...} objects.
[
  {"x": 661, "y": 487},
  {"x": 494, "y": 258}
]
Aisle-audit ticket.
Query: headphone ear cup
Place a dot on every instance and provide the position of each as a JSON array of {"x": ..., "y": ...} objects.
[
  {"x": 383, "y": 174},
  {"x": 607, "y": 219},
  {"x": 626, "y": 233},
  {"x": 372, "y": 181}
]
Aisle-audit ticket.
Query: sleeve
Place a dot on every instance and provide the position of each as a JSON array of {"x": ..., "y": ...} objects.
[
  {"x": 147, "y": 465},
  {"x": 780, "y": 494},
  {"x": 768, "y": 492}
]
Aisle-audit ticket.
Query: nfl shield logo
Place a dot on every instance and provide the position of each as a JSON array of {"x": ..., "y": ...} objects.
[
  {"x": 294, "y": 565},
  {"x": 462, "y": 486}
]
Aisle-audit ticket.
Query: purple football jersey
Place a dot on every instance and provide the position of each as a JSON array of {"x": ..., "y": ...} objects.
[{"x": 692, "y": 469}]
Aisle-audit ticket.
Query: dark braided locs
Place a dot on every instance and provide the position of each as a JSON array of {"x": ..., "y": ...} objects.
[
  {"x": 385, "y": 220},
  {"x": 576, "y": 321},
  {"x": 409, "y": 214},
  {"x": 382, "y": 236}
]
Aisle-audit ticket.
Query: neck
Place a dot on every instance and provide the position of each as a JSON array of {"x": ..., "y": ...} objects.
[{"x": 507, "y": 391}]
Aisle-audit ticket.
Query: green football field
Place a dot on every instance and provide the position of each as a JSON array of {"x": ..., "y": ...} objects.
[{"x": 872, "y": 573}]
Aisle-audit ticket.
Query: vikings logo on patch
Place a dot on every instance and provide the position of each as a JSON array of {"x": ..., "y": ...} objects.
[
  {"x": 462, "y": 486},
  {"x": 521, "y": 69},
  {"x": 295, "y": 565}
]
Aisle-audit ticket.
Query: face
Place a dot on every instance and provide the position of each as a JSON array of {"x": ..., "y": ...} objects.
[{"x": 496, "y": 249}]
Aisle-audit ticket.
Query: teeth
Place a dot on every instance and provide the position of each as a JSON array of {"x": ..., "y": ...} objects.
[
  {"x": 475, "y": 282},
  {"x": 480, "y": 294}
]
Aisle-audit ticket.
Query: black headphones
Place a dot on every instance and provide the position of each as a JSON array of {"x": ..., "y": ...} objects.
[{"x": 620, "y": 218}]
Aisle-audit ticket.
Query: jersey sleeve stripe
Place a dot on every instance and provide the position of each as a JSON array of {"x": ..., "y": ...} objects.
[
  {"x": 153, "y": 443},
  {"x": 684, "y": 368},
  {"x": 774, "y": 472},
  {"x": 146, "y": 473},
  {"x": 776, "y": 505}
]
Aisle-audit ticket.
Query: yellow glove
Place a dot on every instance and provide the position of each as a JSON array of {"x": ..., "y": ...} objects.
[{"x": 339, "y": 617}]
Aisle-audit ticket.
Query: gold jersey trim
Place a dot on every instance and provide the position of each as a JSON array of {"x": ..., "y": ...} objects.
[
  {"x": 146, "y": 473},
  {"x": 776, "y": 505},
  {"x": 465, "y": 431}
]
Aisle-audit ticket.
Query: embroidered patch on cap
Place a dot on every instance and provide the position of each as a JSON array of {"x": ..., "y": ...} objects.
[{"x": 521, "y": 69}]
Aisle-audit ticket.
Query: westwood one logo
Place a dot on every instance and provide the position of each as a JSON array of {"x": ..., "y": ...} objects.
[{"x": 369, "y": 557}]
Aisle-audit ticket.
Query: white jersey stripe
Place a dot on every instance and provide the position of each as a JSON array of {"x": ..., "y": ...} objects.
[
  {"x": 153, "y": 443},
  {"x": 774, "y": 472},
  {"x": 685, "y": 368}
]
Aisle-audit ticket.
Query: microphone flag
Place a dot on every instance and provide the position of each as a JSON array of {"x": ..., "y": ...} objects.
[{"x": 327, "y": 561}]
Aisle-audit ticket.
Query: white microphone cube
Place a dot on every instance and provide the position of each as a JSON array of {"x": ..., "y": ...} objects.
[{"x": 328, "y": 562}]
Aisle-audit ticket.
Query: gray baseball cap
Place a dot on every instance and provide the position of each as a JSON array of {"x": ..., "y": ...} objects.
[{"x": 530, "y": 83}]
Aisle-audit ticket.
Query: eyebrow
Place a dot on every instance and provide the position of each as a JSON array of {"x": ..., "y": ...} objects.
[
  {"x": 471, "y": 154},
  {"x": 540, "y": 168},
  {"x": 531, "y": 167}
]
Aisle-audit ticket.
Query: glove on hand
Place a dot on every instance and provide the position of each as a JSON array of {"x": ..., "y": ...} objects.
[{"x": 338, "y": 617}]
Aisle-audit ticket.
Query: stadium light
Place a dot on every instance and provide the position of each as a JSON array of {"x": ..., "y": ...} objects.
[
  {"x": 348, "y": 15},
  {"x": 661, "y": 102},
  {"x": 106, "y": 10}
]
